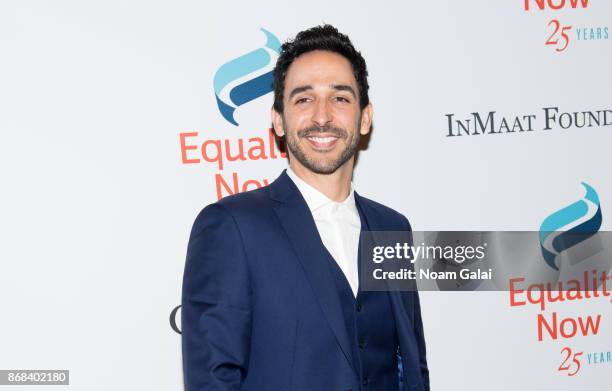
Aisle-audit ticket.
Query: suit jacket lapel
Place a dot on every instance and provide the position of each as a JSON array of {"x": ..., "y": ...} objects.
[
  {"x": 296, "y": 219},
  {"x": 400, "y": 304}
]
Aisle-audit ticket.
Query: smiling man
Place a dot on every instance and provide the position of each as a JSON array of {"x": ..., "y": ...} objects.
[{"x": 271, "y": 294}]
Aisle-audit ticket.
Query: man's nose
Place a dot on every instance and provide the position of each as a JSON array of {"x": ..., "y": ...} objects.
[{"x": 322, "y": 114}]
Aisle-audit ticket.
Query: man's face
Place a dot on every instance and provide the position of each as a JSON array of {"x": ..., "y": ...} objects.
[{"x": 321, "y": 120}]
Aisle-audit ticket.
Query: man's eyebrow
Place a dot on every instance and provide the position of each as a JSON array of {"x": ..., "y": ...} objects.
[
  {"x": 297, "y": 90},
  {"x": 337, "y": 87},
  {"x": 344, "y": 87}
]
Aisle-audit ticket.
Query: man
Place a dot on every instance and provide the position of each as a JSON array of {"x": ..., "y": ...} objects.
[{"x": 271, "y": 297}]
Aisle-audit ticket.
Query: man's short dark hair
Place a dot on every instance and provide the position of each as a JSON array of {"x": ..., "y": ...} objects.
[{"x": 325, "y": 37}]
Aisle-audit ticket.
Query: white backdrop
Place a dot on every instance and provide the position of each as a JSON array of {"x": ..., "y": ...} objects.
[{"x": 97, "y": 203}]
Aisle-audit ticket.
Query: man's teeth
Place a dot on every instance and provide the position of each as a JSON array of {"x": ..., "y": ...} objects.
[{"x": 322, "y": 140}]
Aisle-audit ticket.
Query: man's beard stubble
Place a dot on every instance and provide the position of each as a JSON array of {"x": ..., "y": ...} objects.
[{"x": 318, "y": 166}]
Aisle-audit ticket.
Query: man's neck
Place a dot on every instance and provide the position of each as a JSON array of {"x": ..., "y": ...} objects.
[{"x": 336, "y": 186}]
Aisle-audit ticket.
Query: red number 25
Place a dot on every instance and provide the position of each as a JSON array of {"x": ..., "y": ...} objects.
[
  {"x": 575, "y": 360},
  {"x": 554, "y": 40}
]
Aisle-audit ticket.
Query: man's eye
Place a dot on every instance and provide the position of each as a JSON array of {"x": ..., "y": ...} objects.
[
  {"x": 301, "y": 100},
  {"x": 342, "y": 99}
]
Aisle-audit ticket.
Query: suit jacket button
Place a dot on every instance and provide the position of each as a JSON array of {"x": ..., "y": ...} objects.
[
  {"x": 358, "y": 307},
  {"x": 365, "y": 381}
]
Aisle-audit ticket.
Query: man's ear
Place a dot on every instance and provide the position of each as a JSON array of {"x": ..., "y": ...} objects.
[
  {"x": 366, "y": 119},
  {"x": 277, "y": 123}
]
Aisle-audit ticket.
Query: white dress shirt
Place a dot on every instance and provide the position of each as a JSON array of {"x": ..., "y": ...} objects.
[{"x": 338, "y": 224}]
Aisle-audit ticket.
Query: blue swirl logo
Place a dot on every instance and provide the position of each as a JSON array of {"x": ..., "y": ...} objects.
[
  {"x": 237, "y": 69},
  {"x": 569, "y": 226}
]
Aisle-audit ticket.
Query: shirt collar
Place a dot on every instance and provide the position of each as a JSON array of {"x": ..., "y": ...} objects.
[{"x": 314, "y": 198}]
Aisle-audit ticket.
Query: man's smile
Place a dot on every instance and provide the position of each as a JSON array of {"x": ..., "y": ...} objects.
[{"x": 322, "y": 142}]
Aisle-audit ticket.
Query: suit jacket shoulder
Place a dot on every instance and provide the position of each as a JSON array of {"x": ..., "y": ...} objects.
[
  {"x": 249, "y": 206},
  {"x": 395, "y": 221}
]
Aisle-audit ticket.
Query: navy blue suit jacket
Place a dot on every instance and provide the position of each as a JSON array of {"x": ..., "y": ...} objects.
[{"x": 260, "y": 310}]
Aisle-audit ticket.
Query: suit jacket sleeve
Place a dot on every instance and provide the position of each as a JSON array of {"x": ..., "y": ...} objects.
[
  {"x": 418, "y": 326},
  {"x": 216, "y": 304},
  {"x": 420, "y": 336}
]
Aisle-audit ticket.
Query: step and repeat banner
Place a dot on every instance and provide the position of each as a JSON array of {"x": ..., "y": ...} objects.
[{"x": 121, "y": 120}]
